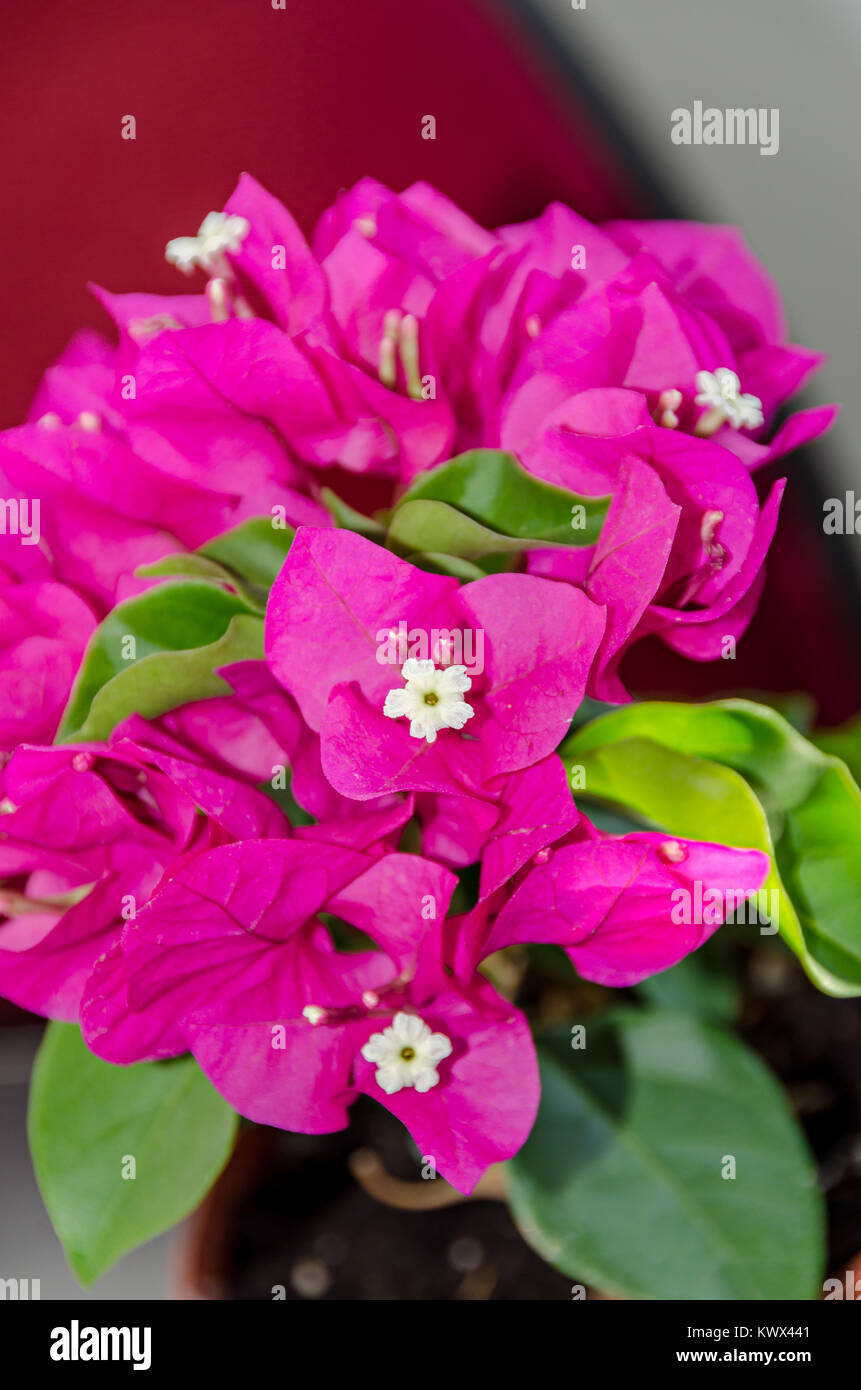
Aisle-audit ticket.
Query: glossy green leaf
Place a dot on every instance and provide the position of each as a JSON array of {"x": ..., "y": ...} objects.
[
  {"x": 843, "y": 742},
  {"x": 621, "y": 1183},
  {"x": 685, "y": 796},
  {"x": 255, "y": 550},
  {"x": 758, "y": 742},
  {"x": 248, "y": 558},
  {"x": 88, "y": 1119},
  {"x": 484, "y": 503},
  {"x": 166, "y": 680},
  {"x": 796, "y": 707},
  {"x": 182, "y": 633},
  {"x": 435, "y": 563},
  {"x": 738, "y": 773}
]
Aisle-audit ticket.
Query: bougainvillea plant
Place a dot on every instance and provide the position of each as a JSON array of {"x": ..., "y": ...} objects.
[{"x": 318, "y": 757}]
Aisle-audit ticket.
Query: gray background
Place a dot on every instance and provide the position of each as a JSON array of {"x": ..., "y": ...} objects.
[{"x": 801, "y": 208}]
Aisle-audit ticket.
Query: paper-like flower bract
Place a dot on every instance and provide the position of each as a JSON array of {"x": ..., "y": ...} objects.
[{"x": 304, "y": 876}]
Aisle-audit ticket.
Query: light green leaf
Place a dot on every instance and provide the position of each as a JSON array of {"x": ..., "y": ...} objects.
[
  {"x": 843, "y": 742},
  {"x": 620, "y": 1184},
  {"x": 738, "y": 773},
  {"x": 166, "y": 680},
  {"x": 182, "y": 633},
  {"x": 248, "y": 558},
  {"x": 483, "y": 503},
  {"x": 88, "y": 1118},
  {"x": 777, "y": 760},
  {"x": 685, "y": 796},
  {"x": 435, "y": 563}
]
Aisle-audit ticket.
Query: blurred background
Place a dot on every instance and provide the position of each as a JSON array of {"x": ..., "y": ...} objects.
[{"x": 534, "y": 100}]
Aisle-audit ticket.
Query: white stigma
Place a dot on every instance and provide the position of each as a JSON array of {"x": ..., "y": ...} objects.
[
  {"x": 720, "y": 390},
  {"x": 219, "y": 232},
  {"x": 406, "y": 1054},
  {"x": 711, "y": 520},
  {"x": 216, "y": 293},
  {"x": 431, "y": 699},
  {"x": 672, "y": 852},
  {"x": 144, "y": 329},
  {"x": 314, "y": 1014},
  {"x": 668, "y": 404}
]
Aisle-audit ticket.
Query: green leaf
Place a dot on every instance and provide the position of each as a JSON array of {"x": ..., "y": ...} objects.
[
  {"x": 753, "y": 739},
  {"x": 434, "y": 563},
  {"x": 248, "y": 558},
  {"x": 166, "y": 680},
  {"x": 87, "y": 1118},
  {"x": 620, "y": 1184},
  {"x": 702, "y": 984},
  {"x": 797, "y": 708},
  {"x": 483, "y": 503},
  {"x": 255, "y": 550},
  {"x": 844, "y": 743},
  {"x": 738, "y": 773},
  {"x": 182, "y": 633},
  {"x": 188, "y": 564}
]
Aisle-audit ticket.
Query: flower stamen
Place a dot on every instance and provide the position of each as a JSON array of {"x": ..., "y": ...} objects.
[
  {"x": 218, "y": 234},
  {"x": 716, "y": 552},
  {"x": 668, "y": 405},
  {"x": 721, "y": 391},
  {"x": 400, "y": 343}
]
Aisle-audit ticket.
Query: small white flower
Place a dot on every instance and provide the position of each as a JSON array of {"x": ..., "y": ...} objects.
[
  {"x": 219, "y": 232},
  {"x": 431, "y": 699},
  {"x": 406, "y": 1054},
  {"x": 721, "y": 391}
]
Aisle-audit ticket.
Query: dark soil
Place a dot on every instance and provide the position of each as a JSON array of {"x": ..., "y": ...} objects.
[
  {"x": 310, "y": 1228},
  {"x": 306, "y": 1229}
]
